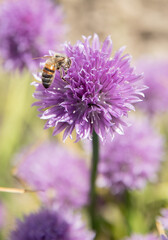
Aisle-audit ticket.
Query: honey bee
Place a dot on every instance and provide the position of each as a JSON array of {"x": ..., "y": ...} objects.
[{"x": 57, "y": 62}]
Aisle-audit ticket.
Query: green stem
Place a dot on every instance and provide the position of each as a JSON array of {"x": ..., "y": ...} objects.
[
  {"x": 127, "y": 211},
  {"x": 95, "y": 160}
]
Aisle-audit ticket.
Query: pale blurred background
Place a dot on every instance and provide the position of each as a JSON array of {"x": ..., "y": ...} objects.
[{"x": 142, "y": 26}]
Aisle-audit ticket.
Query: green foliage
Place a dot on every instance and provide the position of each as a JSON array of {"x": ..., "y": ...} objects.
[{"x": 19, "y": 124}]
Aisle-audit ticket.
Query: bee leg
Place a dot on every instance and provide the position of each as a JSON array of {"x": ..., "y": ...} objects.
[
  {"x": 61, "y": 75},
  {"x": 65, "y": 69}
]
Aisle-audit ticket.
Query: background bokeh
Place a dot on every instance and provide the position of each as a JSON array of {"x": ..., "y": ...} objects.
[{"x": 140, "y": 25}]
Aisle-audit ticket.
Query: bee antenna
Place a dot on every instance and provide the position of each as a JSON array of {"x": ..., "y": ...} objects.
[{"x": 46, "y": 56}]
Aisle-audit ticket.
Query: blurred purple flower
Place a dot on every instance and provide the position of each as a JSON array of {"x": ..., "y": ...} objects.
[
  {"x": 51, "y": 225},
  {"x": 142, "y": 237},
  {"x": 28, "y": 29},
  {"x": 98, "y": 93},
  {"x": 129, "y": 161},
  {"x": 156, "y": 78},
  {"x": 63, "y": 176},
  {"x": 164, "y": 218},
  {"x": 162, "y": 224}
]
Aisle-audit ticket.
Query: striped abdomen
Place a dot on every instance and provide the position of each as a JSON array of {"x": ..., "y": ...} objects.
[{"x": 48, "y": 74}]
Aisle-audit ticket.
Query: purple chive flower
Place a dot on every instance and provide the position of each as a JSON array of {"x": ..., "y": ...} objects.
[
  {"x": 129, "y": 161},
  {"x": 28, "y": 29},
  {"x": 51, "y": 225},
  {"x": 150, "y": 236},
  {"x": 98, "y": 93},
  {"x": 63, "y": 177},
  {"x": 156, "y": 78}
]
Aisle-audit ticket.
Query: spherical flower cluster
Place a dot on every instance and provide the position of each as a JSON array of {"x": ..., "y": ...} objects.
[
  {"x": 156, "y": 78},
  {"x": 28, "y": 29},
  {"x": 61, "y": 176},
  {"x": 98, "y": 92},
  {"x": 129, "y": 161},
  {"x": 142, "y": 237},
  {"x": 48, "y": 225}
]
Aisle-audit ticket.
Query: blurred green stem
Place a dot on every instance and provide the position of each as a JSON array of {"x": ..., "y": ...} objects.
[
  {"x": 95, "y": 160},
  {"x": 127, "y": 211}
]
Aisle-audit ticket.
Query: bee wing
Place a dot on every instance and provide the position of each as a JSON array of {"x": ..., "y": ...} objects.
[
  {"x": 44, "y": 57},
  {"x": 51, "y": 52}
]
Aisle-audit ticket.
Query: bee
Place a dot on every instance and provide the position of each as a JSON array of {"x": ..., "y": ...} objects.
[{"x": 57, "y": 62}]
